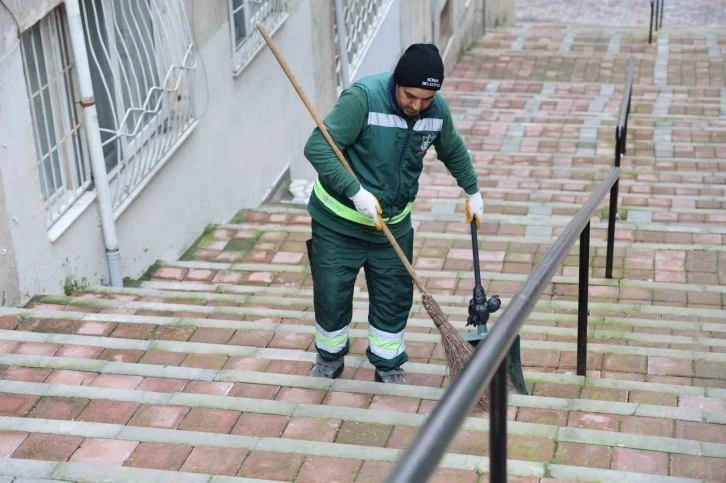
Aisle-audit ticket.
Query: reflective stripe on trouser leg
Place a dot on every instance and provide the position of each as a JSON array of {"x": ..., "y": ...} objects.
[
  {"x": 335, "y": 261},
  {"x": 331, "y": 342},
  {"x": 384, "y": 344},
  {"x": 390, "y": 290}
]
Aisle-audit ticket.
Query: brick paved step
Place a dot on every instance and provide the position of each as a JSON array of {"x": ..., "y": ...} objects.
[
  {"x": 600, "y": 33},
  {"x": 337, "y": 460},
  {"x": 51, "y": 471},
  {"x": 696, "y": 346},
  {"x": 543, "y": 66},
  {"x": 614, "y": 328},
  {"x": 200, "y": 299},
  {"x": 263, "y": 376},
  {"x": 436, "y": 278},
  {"x": 290, "y": 420}
]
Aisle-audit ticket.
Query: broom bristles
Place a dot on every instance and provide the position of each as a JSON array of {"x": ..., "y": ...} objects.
[{"x": 457, "y": 350}]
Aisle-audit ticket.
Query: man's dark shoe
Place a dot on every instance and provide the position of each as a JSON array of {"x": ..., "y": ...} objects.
[
  {"x": 394, "y": 376},
  {"x": 328, "y": 369}
]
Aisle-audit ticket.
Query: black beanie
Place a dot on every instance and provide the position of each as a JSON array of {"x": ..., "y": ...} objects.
[{"x": 420, "y": 66}]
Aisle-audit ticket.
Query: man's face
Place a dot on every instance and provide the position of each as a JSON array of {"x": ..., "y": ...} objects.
[{"x": 413, "y": 100}]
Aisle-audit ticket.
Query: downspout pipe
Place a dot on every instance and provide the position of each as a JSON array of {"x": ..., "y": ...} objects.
[
  {"x": 93, "y": 137},
  {"x": 342, "y": 43}
]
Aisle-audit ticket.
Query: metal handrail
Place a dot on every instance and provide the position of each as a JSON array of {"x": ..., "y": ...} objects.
[
  {"x": 656, "y": 17},
  {"x": 422, "y": 456},
  {"x": 621, "y": 135}
]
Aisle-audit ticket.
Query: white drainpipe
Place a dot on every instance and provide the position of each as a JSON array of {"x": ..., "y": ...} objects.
[{"x": 93, "y": 137}]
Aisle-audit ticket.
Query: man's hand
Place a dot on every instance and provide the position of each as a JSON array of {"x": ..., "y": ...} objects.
[
  {"x": 368, "y": 205},
  {"x": 475, "y": 208}
]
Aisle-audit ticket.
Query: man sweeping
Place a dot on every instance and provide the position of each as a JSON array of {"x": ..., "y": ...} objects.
[{"x": 384, "y": 124}]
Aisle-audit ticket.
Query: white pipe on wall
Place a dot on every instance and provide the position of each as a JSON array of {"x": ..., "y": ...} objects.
[{"x": 93, "y": 137}]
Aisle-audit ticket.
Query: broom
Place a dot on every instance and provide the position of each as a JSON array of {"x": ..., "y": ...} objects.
[{"x": 456, "y": 349}]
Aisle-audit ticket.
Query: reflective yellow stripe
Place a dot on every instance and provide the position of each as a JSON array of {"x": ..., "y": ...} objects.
[{"x": 350, "y": 214}]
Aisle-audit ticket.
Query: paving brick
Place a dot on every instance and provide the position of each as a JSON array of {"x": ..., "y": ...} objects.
[
  {"x": 9, "y": 442},
  {"x": 364, "y": 434},
  {"x": 469, "y": 442},
  {"x": 268, "y": 465},
  {"x": 542, "y": 416},
  {"x": 260, "y": 425},
  {"x": 211, "y": 388},
  {"x": 104, "y": 451},
  {"x": 209, "y": 335},
  {"x": 530, "y": 449},
  {"x": 577, "y": 454},
  {"x": 712, "y": 433},
  {"x": 66, "y": 408},
  {"x": 209, "y": 420},
  {"x": 16, "y": 405},
  {"x": 121, "y": 355},
  {"x": 71, "y": 378},
  {"x": 710, "y": 469},
  {"x": 25, "y": 374},
  {"x": 321, "y": 469},
  {"x": 159, "y": 456},
  {"x": 604, "y": 394},
  {"x": 348, "y": 399},
  {"x": 624, "y": 363},
  {"x": 111, "y": 412},
  {"x": 48, "y": 447},
  {"x": 640, "y": 461},
  {"x": 205, "y": 361},
  {"x": 214, "y": 460},
  {"x": 374, "y": 471},
  {"x": 647, "y": 426},
  {"x": 709, "y": 369},
  {"x": 288, "y": 340},
  {"x": 252, "y": 338},
  {"x": 662, "y": 366},
  {"x": 603, "y": 422},
  {"x": 301, "y": 396},
  {"x": 565, "y": 391},
  {"x": 158, "y": 416},
  {"x": 383, "y": 402},
  {"x": 655, "y": 398},
  {"x": 117, "y": 381}
]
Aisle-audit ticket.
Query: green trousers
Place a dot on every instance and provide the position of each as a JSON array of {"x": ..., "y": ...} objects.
[{"x": 335, "y": 261}]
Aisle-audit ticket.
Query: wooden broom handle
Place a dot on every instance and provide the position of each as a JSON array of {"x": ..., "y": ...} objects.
[{"x": 340, "y": 156}]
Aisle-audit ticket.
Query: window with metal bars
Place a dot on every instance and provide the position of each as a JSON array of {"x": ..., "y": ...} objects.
[
  {"x": 63, "y": 164},
  {"x": 362, "y": 18},
  {"x": 141, "y": 56},
  {"x": 246, "y": 39}
]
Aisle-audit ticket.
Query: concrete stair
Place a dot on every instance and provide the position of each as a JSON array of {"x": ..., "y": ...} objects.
[{"x": 197, "y": 372}]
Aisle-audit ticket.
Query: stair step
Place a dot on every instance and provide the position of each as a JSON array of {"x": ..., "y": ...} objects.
[
  {"x": 318, "y": 456},
  {"x": 293, "y": 340}
]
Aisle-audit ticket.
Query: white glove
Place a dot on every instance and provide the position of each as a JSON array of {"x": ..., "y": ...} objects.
[
  {"x": 475, "y": 208},
  {"x": 368, "y": 205}
]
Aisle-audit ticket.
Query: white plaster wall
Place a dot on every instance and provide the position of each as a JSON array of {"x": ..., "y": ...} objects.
[
  {"x": 253, "y": 127},
  {"x": 385, "y": 49}
]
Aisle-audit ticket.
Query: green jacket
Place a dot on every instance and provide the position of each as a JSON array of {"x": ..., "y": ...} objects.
[{"x": 385, "y": 149}]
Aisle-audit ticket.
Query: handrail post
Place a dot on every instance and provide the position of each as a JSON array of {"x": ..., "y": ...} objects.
[
  {"x": 582, "y": 301},
  {"x": 657, "y": 14},
  {"x": 612, "y": 213},
  {"x": 498, "y": 425},
  {"x": 662, "y": 7},
  {"x": 650, "y": 32}
]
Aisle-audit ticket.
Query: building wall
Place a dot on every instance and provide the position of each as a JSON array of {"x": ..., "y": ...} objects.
[{"x": 240, "y": 147}]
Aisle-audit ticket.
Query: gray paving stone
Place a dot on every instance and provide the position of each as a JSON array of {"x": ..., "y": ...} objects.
[
  {"x": 566, "y": 44},
  {"x": 538, "y": 231},
  {"x": 511, "y": 145},
  {"x": 614, "y": 44},
  {"x": 640, "y": 216},
  {"x": 444, "y": 207},
  {"x": 544, "y": 210}
]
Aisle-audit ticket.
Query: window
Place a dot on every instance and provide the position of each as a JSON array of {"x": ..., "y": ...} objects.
[
  {"x": 246, "y": 39},
  {"x": 63, "y": 164},
  {"x": 140, "y": 55},
  {"x": 362, "y": 19}
]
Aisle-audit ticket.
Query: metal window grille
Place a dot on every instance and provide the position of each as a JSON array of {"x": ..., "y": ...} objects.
[
  {"x": 141, "y": 59},
  {"x": 244, "y": 15},
  {"x": 63, "y": 164},
  {"x": 362, "y": 18}
]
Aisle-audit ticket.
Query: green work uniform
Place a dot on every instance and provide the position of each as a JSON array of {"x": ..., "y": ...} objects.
[{"x": 385, "y": 148}]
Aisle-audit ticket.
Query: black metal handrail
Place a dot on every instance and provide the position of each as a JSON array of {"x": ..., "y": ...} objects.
[
  {"x": 621, "y": 135},
  {"x": 656, "y": 16},
  {"x": 422, "y": 456}
]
